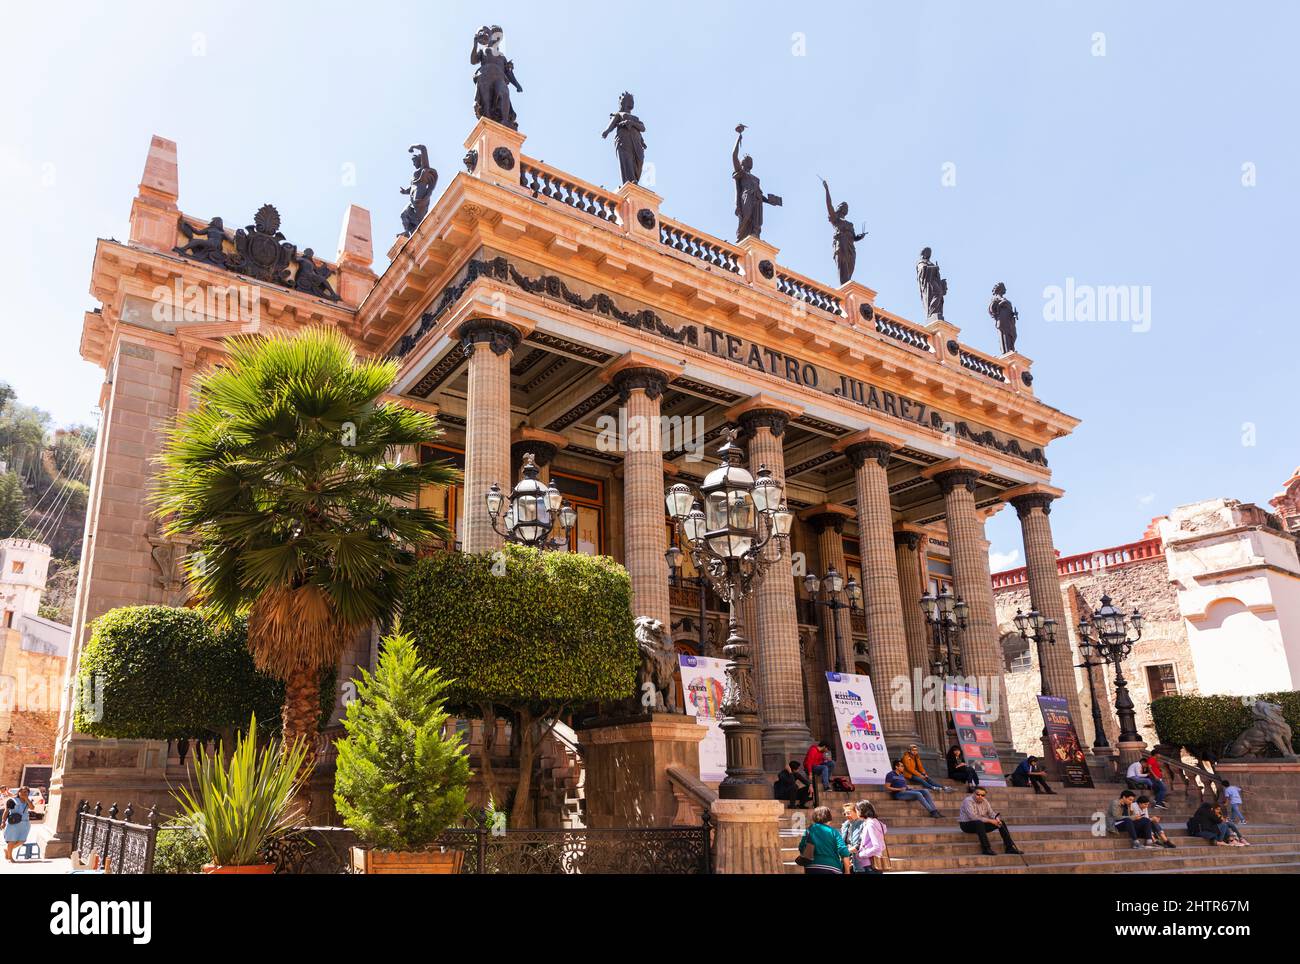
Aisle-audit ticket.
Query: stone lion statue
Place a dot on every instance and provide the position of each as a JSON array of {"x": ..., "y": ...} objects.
[
  {"x": 1268, "y": 728},
  {"x": 658, "y": 665}
]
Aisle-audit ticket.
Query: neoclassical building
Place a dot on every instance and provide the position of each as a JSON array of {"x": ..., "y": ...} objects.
[{"x": 532, "y": 310}]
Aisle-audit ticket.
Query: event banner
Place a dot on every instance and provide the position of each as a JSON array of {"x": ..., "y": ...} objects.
[
  {"x": 1064, "y": 740},
  {"x": 858, "y": 724},
  {"x": 703, "y": 680},
  {"x": 974, "y": 735}
]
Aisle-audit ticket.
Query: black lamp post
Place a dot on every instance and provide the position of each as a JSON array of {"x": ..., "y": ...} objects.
[
  {"x": 533, "y": 512},
  {"x": 1037, "y": 630},
  {"x": 726, "y": 526},
  {"x": 1112, "y": 644},
  {"x": 826, "y": 592},
  {"x": 1099, "y": 741},
  {"x": 946, "y": 617}
]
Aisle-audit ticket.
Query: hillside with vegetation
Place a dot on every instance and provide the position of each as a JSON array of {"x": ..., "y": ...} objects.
[{"x": 44, "y": 486}]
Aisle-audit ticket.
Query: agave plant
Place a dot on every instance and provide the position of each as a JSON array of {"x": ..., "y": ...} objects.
[{"x": 240, "y": 806}]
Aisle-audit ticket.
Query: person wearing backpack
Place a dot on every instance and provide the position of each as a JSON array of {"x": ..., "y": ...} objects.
[
  {"x": 821, "y": 848},
  {"x": 18, "y": 822}
]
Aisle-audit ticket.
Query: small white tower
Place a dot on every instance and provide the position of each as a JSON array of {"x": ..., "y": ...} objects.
[{"x": 24, "y": 565}]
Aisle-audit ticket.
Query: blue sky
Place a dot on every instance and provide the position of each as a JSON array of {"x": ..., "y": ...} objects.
[{"x": 1117, "y": 169}]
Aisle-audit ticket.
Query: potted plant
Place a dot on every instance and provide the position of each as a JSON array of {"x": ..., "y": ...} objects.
[
  {"x": 237, "y": 808},
  {"x": 400, "y": 779}
]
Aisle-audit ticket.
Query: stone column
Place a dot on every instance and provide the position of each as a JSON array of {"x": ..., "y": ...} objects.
[
  {"x": 981, "y": 650},
  {"x": 909, "y": 555},
  {"x": 868, "y": 452},
  {"x": 1033, "y": 503},
  {"x": 827, "y": 521},
  {"x": 489, "y": 343},
  {"x": 644, "y": 533},
  {"x": 776, "y": 641}
]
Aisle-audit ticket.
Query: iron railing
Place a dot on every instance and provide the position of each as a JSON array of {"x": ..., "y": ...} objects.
[
  {"x": 639, "y": 850},
  {"x": 634, "y": 850},
  {"x": 112, "y": 845}
]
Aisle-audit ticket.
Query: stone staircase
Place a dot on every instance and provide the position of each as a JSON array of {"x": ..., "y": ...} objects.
[{"x": 1056, "y": 835}]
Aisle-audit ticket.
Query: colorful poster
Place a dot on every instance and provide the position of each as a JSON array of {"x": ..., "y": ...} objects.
[
  {"x": 974, "y": 734},
  {"x": 703, "y": 679},
  {"x": 857, "y": 722},
  {"x": 1067, "y": 754}
]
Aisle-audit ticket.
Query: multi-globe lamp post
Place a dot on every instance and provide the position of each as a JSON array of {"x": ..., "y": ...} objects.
[
  {"x": 825, "y": 591},
  {"x": 1106, "y": 636},
  {"x": 1035, "y": 628},
  {"x": 735, "y": 527},
  {"x": 945, "y": 614},
  {"x": 533, "y": 512}
]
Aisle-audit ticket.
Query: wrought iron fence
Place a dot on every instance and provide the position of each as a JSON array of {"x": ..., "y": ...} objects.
[
  {"x": 115, "y": 846},
  {"x": 650, "y": 850},
  {"x": 635, "y": 850}
]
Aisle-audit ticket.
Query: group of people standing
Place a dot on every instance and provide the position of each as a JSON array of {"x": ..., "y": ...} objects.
[{"x": 857, "y": 847}]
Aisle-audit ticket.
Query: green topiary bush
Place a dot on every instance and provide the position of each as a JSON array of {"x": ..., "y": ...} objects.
[
  {"x": 524, "y": 634},
  {"x": 399, "y": 781},
  {"x": 1205, "y": 725},
  {"x": 163, "y": 673}
]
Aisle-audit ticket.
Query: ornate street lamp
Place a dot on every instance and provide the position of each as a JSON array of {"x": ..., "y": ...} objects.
[
  {"x": 1037, "y": 630},
  {"x": 826, "y": 592},
  {"x": 1112, "y": 644},
  {"x": 946, "y": 617},
  {"x": 726, "y": 526},
  {"x": 533, "y": 512}
]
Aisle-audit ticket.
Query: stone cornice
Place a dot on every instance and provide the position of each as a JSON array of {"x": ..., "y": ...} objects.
[{"x": 562, "y": 239}]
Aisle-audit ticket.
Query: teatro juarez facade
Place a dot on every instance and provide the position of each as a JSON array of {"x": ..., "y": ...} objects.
[{"x": 532, "y": 310}]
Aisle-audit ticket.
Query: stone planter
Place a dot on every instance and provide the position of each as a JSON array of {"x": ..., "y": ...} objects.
[
  {"x": 239, "y": 869},
  {"x": 366, "y": 861}
]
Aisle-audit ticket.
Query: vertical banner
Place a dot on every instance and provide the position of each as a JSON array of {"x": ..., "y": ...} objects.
[
  {"x": 1064, "y": 741},
  {"x": 974, "y": 735},
  {"x": 703, "y": 680},
  {"x": 857, "y": 723}
]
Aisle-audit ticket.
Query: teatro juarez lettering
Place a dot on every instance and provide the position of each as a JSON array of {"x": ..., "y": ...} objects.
[
  {"x": 896, "y": 405},
  {"x": 721, "y": 344}
]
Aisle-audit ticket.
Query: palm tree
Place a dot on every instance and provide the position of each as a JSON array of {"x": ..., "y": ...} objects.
[{"x": 283, "y": 474}]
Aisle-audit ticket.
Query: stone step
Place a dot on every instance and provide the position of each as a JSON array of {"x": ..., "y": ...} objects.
[
  {"x": 1066, "y": 845},
  {"x": 1050, "y": 862},
  {"x": 1222, "y": 860}
]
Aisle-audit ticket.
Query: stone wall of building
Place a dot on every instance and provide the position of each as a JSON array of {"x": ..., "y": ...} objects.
[{"x": 1143, "y": 583}]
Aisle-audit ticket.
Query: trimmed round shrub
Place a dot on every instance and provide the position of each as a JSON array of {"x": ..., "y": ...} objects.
[
  {"x": 163, "y": 673},
  {"x": 179, "y": 850},
  {"x": 521, "y": 627},
  {"x": 1206, "y": 725}
]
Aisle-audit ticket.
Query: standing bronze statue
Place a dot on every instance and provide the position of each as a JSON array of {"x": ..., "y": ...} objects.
[
  {"x": 629, "y": 145},
  {"x": 493, "y": 78},
  {"x": 423, "y": 181},
  {"x": 1004, "y": 316},
  {"x": 844, "y": 244},
  {"x": 933, "y": 287},
  {"x": 749, "y": 193}
]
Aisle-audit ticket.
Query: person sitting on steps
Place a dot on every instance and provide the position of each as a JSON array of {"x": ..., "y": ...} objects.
[
  {"x": 1208, "y": 824},
  {"x": 896, "y": 784},
  {"x": 978, "y": 817},
  {"x": 1029, "y": 772},
  {"x": 1140, "y": 777},
  {"x": 1158, "y": 834},
  {"x": 792, "y": 786},
  {"x": 959, "y": 769},
  {"x": 1122, "y": 817},
  {"x": 819, "y": 763},
  {"x": 914, "y": 770}
]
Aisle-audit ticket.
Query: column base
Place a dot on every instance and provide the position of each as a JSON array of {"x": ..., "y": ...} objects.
[
  {"x": 1130, "y": 753},
  {"x": 747, "y": 836},
  {"x": 783, "y": 742},
  {"x": 627, "y": 765}
]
